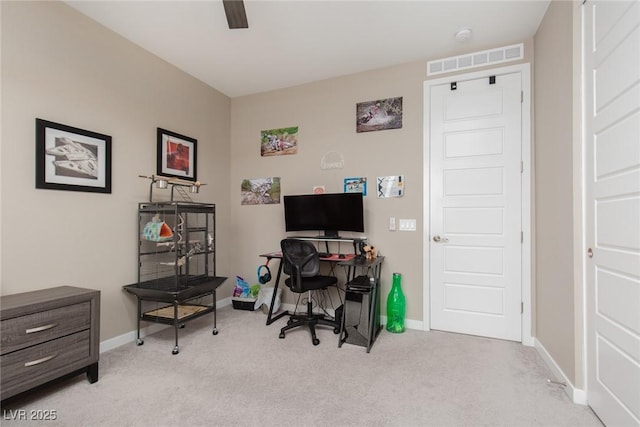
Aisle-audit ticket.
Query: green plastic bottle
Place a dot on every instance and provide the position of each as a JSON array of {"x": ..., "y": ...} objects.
[{"x": 396, "y": 306}]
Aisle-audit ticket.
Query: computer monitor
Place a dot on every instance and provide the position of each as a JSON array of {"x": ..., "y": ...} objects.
[{"x": 329, "y": 213}]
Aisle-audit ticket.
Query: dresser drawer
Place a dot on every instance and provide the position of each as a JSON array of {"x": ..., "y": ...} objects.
[
  {"x": 37, "y": 364},
  {"x": 23, "y": 331}
]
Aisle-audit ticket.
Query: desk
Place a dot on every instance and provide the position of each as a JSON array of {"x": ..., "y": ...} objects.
[
  {"x": 334, "y": 259},
  {"x": 370, "y": 298}
]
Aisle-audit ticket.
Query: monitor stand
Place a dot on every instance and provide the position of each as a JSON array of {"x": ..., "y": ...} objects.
[{"x": 331, "y": 234}]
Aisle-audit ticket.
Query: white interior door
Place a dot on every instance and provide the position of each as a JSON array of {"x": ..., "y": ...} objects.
[
  {"x": 612, "y": 200},
  {"x": 475, "y": 212}
]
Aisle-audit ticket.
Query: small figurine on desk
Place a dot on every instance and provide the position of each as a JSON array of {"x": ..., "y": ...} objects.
[{"x": 369, "y": 251}]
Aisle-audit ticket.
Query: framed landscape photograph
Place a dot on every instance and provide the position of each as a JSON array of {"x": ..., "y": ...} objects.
[
  {"x": 177, "y": 155},
  {"x": 69, "y": 158}
]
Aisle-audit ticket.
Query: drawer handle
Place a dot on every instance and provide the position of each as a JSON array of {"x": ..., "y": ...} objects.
[
  {"x": 39, "y": 361},
  {"x": 41, "y": 328}
]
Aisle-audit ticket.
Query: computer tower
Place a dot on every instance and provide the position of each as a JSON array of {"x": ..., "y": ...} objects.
[{"x": 359, "y": 324}]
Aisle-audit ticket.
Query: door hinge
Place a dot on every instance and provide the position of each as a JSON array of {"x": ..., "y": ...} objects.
[
  {"x": 521, "y": 166},
  {"x": 521, "y": 307},
  {"x": 521, "y": 96},
  {"x": 522, "y": 237}
]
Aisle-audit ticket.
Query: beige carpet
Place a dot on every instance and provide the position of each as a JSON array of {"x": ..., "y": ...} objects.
[{"x": 246, "y": 376}]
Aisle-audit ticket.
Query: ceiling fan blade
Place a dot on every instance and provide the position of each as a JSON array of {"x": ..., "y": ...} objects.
[{"x": 236, "y": 15}]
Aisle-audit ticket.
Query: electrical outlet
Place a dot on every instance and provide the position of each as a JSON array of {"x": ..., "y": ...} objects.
[
  {"x": 392, "y": 223},
  {"x": 407, "y": 225}
]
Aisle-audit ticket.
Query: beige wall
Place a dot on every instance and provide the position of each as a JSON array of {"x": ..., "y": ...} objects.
[
  {"x": 60, "y": 66},
  {"x": 325, "y": 113},
  {"x": 554, "y": 236}
]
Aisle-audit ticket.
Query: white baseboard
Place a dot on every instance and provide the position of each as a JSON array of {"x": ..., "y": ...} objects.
[
  {"x": 223, "y": 302},
  {"x": 576, "y": 395},
  {"x": 131, "y": 336}
]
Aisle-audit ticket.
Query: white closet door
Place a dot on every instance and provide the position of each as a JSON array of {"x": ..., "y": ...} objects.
[{"x": 612, "y": 198}]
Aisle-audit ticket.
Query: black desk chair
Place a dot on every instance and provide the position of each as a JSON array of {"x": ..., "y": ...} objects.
[{"x": 302, "y": 264}]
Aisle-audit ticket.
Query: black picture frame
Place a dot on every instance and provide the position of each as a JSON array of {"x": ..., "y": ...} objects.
[
  {"x": 177, "y": 155},
  {"x": 72, "y": 159}
]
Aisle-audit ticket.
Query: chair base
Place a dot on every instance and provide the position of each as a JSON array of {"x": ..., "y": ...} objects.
[{"x": 311, "y": 320}]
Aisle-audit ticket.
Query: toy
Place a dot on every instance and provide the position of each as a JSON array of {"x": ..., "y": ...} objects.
[{"x": 370, "y": 251}]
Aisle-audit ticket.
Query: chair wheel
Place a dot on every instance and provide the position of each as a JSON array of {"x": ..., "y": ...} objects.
[
  {"x": 281, "y": 336},
  {"x": 336, "y": 331},
  {"x": 316, "y": 341},
  {"x": 290, "y": 321}
]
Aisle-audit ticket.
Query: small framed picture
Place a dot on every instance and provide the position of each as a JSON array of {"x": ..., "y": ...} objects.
[
  {"x": 356, "y": 185},
  {"x": 69, "y": 158},
  {"x": 177, "y": 155}
]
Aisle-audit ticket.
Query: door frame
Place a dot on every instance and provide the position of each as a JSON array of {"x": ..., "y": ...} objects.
[{"x": 526, "y": 190}]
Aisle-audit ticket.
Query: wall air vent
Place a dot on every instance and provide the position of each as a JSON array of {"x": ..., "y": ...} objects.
[{"x": 476, "y": 59}]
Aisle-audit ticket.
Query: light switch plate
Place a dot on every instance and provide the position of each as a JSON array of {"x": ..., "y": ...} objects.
[
  {"x": 407, "y": 225},
  {"x": 392, "y": 223}
]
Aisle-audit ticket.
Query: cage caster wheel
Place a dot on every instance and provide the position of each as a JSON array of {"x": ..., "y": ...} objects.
[
  {"x": 316, "y": 341},
  {"x": 281, "y": 336},
  {"x": 175, "y": 350},
  {"x": 215, "y": 331},
  {"x": 139, "y": 341}
]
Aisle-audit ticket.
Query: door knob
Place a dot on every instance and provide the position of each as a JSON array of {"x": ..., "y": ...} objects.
[{"x": 439, "y": 239}]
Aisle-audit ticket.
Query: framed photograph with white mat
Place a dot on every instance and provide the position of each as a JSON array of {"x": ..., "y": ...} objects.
[{"x": 69, "y": 158}]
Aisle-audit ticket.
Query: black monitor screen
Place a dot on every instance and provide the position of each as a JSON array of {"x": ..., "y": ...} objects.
[{"x": 330, "y": 213}]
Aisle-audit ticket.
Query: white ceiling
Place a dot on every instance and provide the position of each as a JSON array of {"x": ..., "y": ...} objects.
[{"x": 294, "y": 42}]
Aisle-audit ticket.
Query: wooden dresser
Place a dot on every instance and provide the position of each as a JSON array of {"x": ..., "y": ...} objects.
[{"x": 47, "y": 334}]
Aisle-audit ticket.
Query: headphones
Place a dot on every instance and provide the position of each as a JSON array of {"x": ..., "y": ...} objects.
[{"x": 266, "y": 277}]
